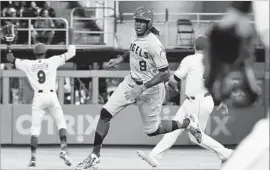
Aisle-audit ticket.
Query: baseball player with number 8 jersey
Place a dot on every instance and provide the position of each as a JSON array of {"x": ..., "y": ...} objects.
[
  {"x": 41, "y": 74},
  {"x": 143, "y": 86}
]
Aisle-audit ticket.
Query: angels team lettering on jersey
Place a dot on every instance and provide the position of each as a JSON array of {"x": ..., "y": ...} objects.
[
  {"x": 191, "y": 68},
  {"x": 147, "y": 55},
  {"x": 41, "y": 73}
]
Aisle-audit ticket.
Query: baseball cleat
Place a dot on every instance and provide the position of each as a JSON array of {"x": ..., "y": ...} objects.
[
  {"x": 63, "y": 155},
  {"x": 194, "y": 129},
  {"x": 32, "y": 162},
  {"x": 148, "y": 158},
  {"x": 91, "y": 161}
]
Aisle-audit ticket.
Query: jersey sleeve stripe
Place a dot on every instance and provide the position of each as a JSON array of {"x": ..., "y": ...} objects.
[
  {"x": 161, "y": 67},
  {"x": 176, "y": 78}
]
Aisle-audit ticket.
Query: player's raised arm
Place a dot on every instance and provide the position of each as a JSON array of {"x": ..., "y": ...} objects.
[
  {"x": 59, "y": 60},
  {"x": 18, "y": 63},
  {"x": 70, "y": 53},
  {"x": 71, "y": 48}
]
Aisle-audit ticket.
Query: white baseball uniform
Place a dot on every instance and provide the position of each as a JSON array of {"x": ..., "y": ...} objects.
[
  {"x": 41, "y": 74},
  {"x": 253, "y": 152},
  {"x": 198, "y": 102},
  {"x": 147, "y": 56}
]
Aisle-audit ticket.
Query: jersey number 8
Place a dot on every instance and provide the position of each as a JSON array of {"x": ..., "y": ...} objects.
[
  {"x": 142, "y": 65},
  {"x": 41, "y": 76}
]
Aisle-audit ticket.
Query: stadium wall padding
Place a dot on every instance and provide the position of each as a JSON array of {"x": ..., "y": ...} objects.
[{"x": 126, "y": 127}]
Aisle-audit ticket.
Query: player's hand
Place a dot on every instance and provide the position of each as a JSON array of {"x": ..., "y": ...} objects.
[
  {"x": 223, "y": 108},
  {"x": 169, "y": 86},
  {"x": 111, "y": 65},
  {"x": 134, "y": 92}
]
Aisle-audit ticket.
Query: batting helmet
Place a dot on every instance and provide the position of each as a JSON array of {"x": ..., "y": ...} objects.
[
  {"x": 144, "y": 14},
  {"x": 40, "y": 48}
]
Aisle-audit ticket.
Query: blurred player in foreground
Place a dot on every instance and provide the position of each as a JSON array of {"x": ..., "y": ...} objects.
[
  {"x": 143, "y": 86},
  {"x": 198, "y": 102},
  {"x": 253, "y": 152},
  {"x": 230, "y": 56},
  {"x": 41, "y": 73}
]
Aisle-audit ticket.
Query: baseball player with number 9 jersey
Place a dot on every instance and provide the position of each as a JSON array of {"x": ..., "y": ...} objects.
[
  {"x": 147, "y": 56},
  {"x": 41, "y": 74},
  {"x": 143, "y": 86}
]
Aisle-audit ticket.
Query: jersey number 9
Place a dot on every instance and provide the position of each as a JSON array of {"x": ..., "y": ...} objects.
[
  {"x": 41, "y": 76},
  {"x": 142, "y": 65}
]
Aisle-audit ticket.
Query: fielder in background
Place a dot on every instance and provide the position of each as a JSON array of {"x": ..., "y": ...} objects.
[
  {"x": 41, "y": 74},
  {"x": 253, "y": 152},
  {"x": 143, "y": 86},
  {"x": 198, "y": 103}
]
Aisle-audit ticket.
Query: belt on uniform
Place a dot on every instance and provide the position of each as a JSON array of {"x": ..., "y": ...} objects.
[
  {"x": 137, "y": 82},
  {"x": 41, "y": 91},
  {"x": 193, "y": 97}
]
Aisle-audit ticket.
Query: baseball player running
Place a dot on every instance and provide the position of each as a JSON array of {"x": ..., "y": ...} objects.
[
  {"x": 253, "y": 152},
  {"x": 143, "y": 86},
  {"x": 41, "y": 73},
  {"x": 198, "y": 103}
]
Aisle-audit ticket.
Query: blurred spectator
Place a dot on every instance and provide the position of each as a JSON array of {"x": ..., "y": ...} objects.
[
  {"x": 13, "y": 13},
  {"x": 17, "y": 5},
  {"x": 27, "y": 9},
  {"x": 89, "y": 24},
  {"x": 4, "y": 8},
  {"x": 44, "y": 36},
  {"x": 30, "y": 10},
  {"x": 34, "y": 7},
  {"x": 50, "y": 10},
  {"x": 22, "y": 13}
]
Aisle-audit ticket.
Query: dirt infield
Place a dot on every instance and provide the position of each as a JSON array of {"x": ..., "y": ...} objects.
[{"x": 112, "y": 158}]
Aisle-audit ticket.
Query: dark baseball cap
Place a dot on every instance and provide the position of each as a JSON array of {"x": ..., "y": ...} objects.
[
  {"x": 40, "y": 48},
  {"x": 201, "y": 43}
]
